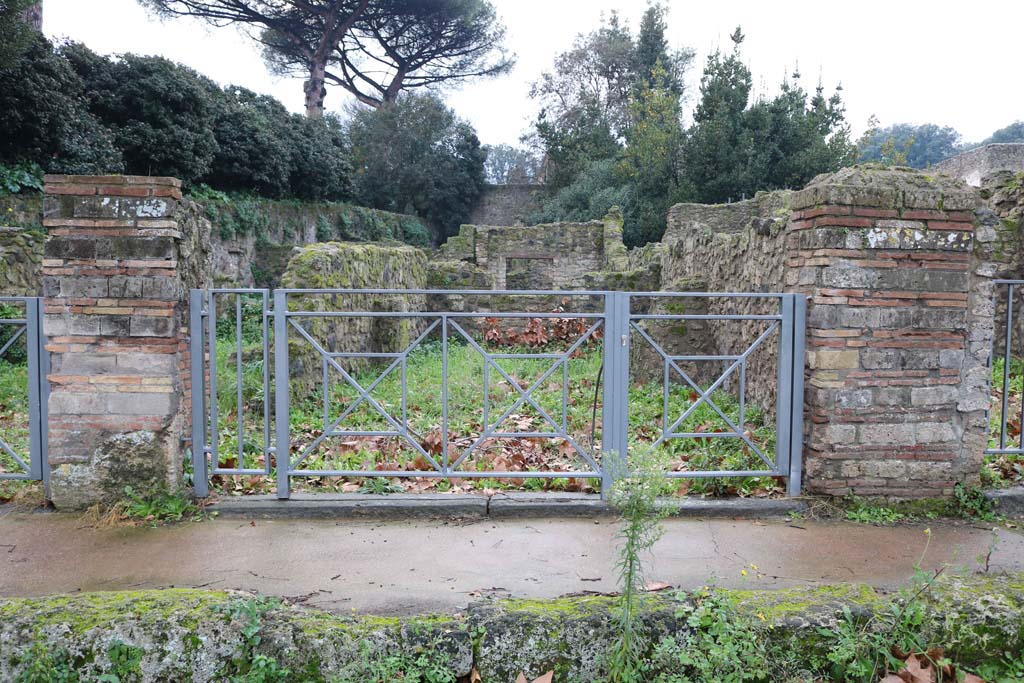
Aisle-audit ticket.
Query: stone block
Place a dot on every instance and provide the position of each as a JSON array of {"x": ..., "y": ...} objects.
[
  {"x": 935, "y": 432},
  {"x": 149, "y": 326},
  {"x": 835, "y": 360},
  {"x": 879, "y": 359},
  {"x": 933, "y": 396},
  {"x": 887, "y": 434}
]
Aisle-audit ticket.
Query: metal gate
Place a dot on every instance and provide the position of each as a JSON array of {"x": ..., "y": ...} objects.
[
  {"x": 239, "y": 344},
  {"x": 1007, "y": 349},
  {"x": 25, "y": 365}
]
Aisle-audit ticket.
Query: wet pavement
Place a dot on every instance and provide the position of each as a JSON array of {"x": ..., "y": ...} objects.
[{"x": 441, "y": 565}]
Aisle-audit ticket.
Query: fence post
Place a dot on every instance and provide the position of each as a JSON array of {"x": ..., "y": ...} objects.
[
  {"x": 37, "y": 429},
  {"x": 615, "y": 406},
  {"x": 784, "y": 388},
  {"x": 197, "y": 388},
  {"x": 282, "y": 449},
  {"x": 796, "y": 430}
]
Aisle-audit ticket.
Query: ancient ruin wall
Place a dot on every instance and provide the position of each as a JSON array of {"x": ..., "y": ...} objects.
[
  {"x": 121, "y": 255},
  {"x": 506, "y": 205},
  {"x": 349, "y": 265},
  {"x": 974, "y": 165},
  {"x": 21, "y": 262},
  {"x": 738, "y": 247}
]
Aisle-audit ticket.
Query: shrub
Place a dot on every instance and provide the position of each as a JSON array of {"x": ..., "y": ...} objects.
[
  {"x": 161, "y": 114},
  {"x": 45, "y": 117}
]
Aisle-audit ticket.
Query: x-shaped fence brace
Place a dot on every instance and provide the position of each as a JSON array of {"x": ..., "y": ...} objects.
[
  {"x": 401, "y": 427},
  {"x": 704, "y": 395}
]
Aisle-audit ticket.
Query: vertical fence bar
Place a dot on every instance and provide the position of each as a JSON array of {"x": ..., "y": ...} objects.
[
  {"x": 44, "y": 399},
  {"x": 796, "y": 431},
  {"x": 265, "y": 327},
  {"x": 238, "y": 381},
  {"x": 444, "y": 395},
  {"x": 784, "y": 387},
  {"x": 615, "y": 406},
  {"x": 200, "y": 473},
  {"x": 282, "y": 452},
  {"x": 1008, "y": 340},
  {"x": 211, "y": 333},
  {"x": 35, "y": 409}
]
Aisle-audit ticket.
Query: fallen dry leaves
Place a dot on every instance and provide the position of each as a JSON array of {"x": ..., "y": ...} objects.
[
  {"x": 924, "y": 667},
  {"x": 546, "y": 678}
]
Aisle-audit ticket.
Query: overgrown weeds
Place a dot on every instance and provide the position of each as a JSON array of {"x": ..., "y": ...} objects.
[
  {"x": 155, "y": 507},
  {"x": 635, "y": 496}
]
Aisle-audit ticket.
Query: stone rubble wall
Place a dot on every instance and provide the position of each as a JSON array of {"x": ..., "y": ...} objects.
[
  {"x": 21, "y": 261},
  {"x": 506, "y": 204},
  {"x": 350, "y": 265},
  {"x": 184, "y": 635},
  {"x": 1003, "y": 192},
  {"x": 739, "y": 247}
]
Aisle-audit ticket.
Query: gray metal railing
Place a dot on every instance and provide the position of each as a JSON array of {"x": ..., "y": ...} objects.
[
  {"x": 1005, "y": 303},
  {"x": 28, "y": 455},
  {"x": 605, "y": 317}
]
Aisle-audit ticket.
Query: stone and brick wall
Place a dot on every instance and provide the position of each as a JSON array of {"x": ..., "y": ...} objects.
[
  {"x": 898, "y": 332},
  {"x": 117, "y": 266}
]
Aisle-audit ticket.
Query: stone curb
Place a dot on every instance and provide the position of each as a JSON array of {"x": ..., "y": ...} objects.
[
  {"x": 1009, "y": 502},
  {"x": 504, "y": 506}
]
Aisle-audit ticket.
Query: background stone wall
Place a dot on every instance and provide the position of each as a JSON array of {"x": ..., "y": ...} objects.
[
  {"x": 974, "y": 165},
  {"x": 549, "y": 256},
  {"x": 253, "y": 238},
  {"x": 21, "y": 261},
  {"x": 739, "y": 247},
  {"x": 506, "y": 205}
]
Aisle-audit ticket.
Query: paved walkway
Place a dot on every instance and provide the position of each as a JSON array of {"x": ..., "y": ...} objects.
[{"x": 426, "y": 565}]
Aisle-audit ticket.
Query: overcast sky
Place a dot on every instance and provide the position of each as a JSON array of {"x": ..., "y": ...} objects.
[{"x": 902, "y": 60}]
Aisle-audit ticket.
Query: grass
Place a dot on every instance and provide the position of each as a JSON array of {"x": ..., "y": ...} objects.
[
  {"x": 423, "y": 415},
  {"x": 1001, "y": 470}
]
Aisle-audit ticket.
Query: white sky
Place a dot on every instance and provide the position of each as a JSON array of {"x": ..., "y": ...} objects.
[{"x": 950, "y": 63}]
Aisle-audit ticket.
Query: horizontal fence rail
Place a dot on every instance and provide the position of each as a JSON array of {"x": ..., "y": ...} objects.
[{"x": 264, "y": 362}]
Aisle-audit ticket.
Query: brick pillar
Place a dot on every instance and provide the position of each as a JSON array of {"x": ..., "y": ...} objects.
[
  {"x": 115, "y": 304},
  {"x": 894, "y": 349}
]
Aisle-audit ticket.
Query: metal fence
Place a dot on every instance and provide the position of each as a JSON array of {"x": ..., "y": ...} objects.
[
  {"x": 263, "y": 365},
  {"x": 1006, "y": 350},
  {"x": 25, "y": 367}
]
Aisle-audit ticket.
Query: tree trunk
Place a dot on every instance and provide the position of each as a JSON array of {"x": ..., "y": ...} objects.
[
  {"x": 315, "y": 90},
  {"x": 34, "y": 16}
]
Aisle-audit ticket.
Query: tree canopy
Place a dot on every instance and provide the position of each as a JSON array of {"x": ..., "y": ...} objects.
[
  {"x": 374, "y": 49},
  {"x": 70, "y": 110},
  {"x": 610, "y": 128},
  {"x": 906, "y": 144},
  {"x": 16, "y": 31},
  {"x": 415, "y": 156},
  {"x": 1011, "y": 133}
]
